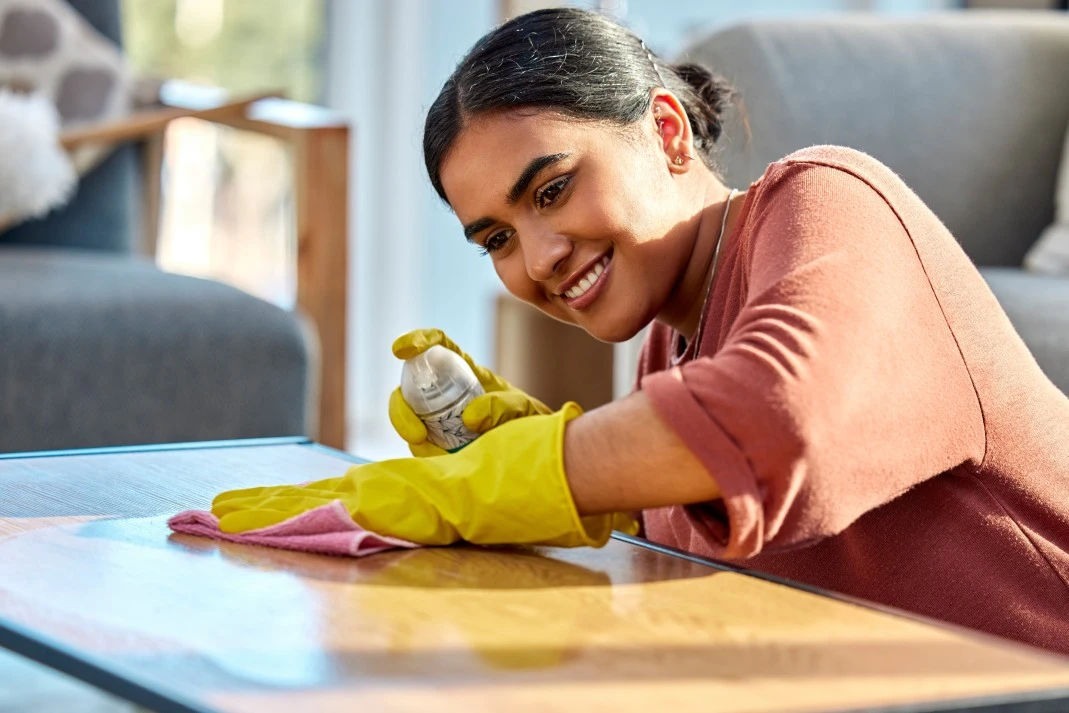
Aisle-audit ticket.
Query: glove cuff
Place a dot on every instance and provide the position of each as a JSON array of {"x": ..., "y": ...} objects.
[{"x": 593, "y": 530}]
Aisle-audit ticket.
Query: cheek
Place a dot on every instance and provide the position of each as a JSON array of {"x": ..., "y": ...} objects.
[
  {"x": 623, "y": 205},
  {"x": 513, "y": 274}
]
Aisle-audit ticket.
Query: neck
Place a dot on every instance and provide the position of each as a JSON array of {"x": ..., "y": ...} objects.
[{"x": 683, "y": 310}]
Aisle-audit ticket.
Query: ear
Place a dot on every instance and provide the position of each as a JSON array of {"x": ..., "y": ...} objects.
[{"x": 672, "y": 127}]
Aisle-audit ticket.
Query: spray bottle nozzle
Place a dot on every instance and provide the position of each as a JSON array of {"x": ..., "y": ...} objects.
[{"x": 436, "y": 379}]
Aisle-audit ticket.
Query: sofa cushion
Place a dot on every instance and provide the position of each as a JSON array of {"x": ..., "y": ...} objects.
[
  {"x": 103, "y": 350},
  {"x": 969, "y": 108},
  {"x": 1036, "y": 305}
]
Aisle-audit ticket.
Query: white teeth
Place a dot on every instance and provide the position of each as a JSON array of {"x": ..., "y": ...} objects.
[{"x": 588, "y": 280}]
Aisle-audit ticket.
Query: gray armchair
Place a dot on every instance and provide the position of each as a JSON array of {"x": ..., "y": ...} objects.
[
  {"x": 969, "y": 108},
  {"x": 98, "y": 347}
]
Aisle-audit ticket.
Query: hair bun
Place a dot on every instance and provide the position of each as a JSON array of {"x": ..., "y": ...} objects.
[{"x": 714, "y": 91}]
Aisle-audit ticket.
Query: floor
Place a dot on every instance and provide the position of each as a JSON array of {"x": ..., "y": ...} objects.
[{"x": 27, "y": 686}]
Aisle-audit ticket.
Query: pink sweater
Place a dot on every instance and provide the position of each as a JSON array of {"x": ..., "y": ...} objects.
[{"x": 875, "y": 425}]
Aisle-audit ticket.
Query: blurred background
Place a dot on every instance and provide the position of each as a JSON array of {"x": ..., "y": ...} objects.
[{"x": 226, "y": 208}]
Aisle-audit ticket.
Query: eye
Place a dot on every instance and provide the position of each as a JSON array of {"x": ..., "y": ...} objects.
[
  {"x": 496, "y": 242},
  {"x": 547, "y": 195}
]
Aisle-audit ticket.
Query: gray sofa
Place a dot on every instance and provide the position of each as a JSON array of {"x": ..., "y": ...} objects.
[
  {"x": 98, "y": 347},
  {"x": 969, "y": 108}
]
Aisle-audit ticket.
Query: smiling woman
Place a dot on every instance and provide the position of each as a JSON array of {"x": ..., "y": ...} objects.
[{"x": 829, "y": 392}]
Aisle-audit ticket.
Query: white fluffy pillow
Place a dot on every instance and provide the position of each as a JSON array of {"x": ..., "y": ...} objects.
[
  {"x": 1050, "y": 254},
  {"x": 35, "y": 174}
]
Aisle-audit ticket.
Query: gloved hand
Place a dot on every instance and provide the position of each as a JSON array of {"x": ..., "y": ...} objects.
[
  {"x": 501, "y": 403},
  {"x": 508, "y": 486}
]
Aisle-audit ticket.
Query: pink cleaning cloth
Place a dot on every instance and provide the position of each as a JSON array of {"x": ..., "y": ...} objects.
[{"x": 327, "y": 529}]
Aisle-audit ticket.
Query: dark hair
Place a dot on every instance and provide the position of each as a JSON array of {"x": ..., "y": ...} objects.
[{"x": 575, "y": 62}]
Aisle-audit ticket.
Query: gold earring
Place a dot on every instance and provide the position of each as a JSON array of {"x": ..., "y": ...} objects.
[{"x": 678, "y": 161}]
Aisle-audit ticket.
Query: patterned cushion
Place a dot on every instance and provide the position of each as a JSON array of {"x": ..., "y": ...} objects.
[
  {"x": 48, "y": 48},
  {"x": 50, "y": 51}
]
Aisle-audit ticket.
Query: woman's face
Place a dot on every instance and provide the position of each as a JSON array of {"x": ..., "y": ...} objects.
[{"x": 574, "y": 214}]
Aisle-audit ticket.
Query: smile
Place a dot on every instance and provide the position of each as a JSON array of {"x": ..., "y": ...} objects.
[{"x": 587, "y": 289}]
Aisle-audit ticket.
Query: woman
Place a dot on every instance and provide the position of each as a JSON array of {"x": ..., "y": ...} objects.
[{"x": 828, "y": 392}]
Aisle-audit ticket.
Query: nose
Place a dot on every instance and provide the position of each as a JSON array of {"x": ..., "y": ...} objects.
[{"x": 544, "y": 253}]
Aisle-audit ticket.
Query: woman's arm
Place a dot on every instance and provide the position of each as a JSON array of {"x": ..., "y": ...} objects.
[{"x": 623, "y": 457}]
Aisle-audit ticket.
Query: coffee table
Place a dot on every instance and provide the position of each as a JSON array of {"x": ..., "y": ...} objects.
[{"x": 92, "y": 584}]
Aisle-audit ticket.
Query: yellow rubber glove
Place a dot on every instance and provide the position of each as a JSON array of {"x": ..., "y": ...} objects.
[
  {"x": 501, "y": 403},
  {"x": 508, "y": 486}
]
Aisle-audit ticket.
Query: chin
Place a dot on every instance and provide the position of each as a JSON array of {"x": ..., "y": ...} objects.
[
  {"x": 613, "y": 333},
  {"x": 612, "y": 329}
]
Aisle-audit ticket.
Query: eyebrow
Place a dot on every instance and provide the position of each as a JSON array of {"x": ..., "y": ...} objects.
[{"x": 536, "y": 166}]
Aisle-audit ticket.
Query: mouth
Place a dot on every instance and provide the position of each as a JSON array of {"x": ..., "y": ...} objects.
[{"x": 589, "y": 285}]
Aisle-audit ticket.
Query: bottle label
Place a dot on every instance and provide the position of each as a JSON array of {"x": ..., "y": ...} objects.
[{"x": 446, "y": 429}]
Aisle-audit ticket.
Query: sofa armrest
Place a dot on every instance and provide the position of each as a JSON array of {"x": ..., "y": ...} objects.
[
  {"x": 319, "y": 139},
  {"x": 148, "y": 122}
]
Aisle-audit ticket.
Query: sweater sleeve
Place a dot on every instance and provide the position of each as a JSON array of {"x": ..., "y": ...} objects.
[{"x": 838, "y": 387}]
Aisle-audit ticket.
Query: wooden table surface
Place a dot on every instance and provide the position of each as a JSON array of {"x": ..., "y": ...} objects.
[{"x": 87, "y": 562}]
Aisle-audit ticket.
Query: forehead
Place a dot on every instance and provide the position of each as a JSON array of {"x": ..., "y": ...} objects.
[{"x": 492, "y": 151}]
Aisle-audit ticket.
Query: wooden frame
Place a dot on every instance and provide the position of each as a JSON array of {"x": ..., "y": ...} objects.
[{"x": 320, "y": 142}]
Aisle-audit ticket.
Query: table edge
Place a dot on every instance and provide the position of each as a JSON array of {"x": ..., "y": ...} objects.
[
  {"x": 995, "y": 703},
  {"x": 87, "y": 669},
  {"x": 155, "y": 447}
]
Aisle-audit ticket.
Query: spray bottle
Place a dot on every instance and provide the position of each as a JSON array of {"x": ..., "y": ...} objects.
[{"x": 438, "y": 384}]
